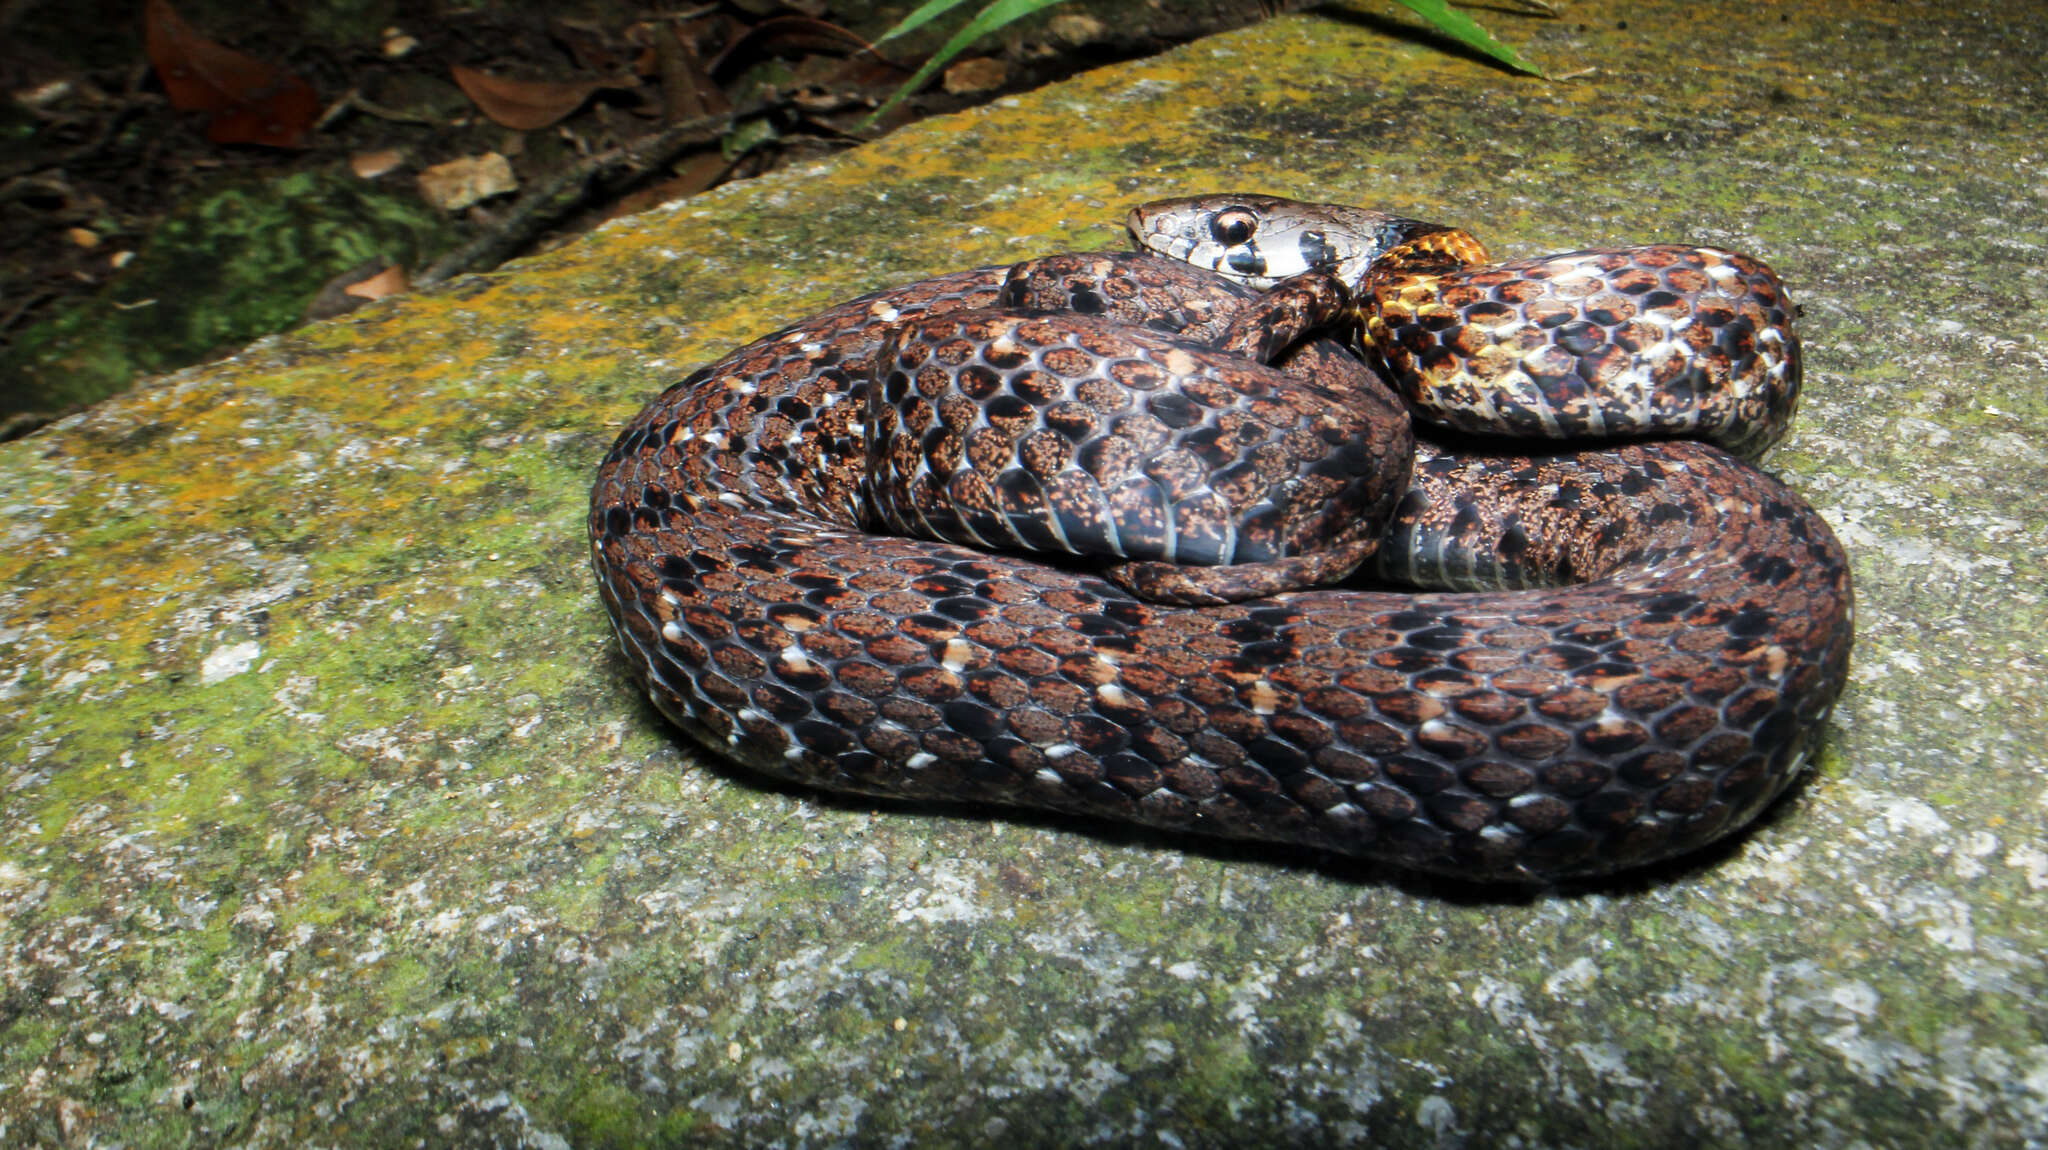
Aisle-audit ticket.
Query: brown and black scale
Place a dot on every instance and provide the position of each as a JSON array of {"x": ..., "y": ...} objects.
[
  {"x": 1665, "y": 340},
  {"x": 1658, "y": 702}
]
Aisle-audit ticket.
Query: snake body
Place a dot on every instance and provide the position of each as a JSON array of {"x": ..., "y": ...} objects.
[{"x": 1662, "y": 633}]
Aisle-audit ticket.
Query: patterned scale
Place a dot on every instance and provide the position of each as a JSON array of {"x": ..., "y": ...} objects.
[{"x": 1665, "y": 631}]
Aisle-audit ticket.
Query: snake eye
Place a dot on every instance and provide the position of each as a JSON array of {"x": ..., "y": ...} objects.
[{"x": 1233, "y": 226}]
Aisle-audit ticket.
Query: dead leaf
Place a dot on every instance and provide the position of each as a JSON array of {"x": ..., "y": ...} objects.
[
  {"x": 523, "y": 105},
  {"x": 973, "y": 77},
  {"x": 687, "y": 90},
  {"x": 459, "y": 183},
  {"x": 390, "y": 281},
  {"x": 370, "y": 280},
  {"x": 1078, "y": 29},
  {"x": 693, "y": 174},
  {"x": 789, "y": 36},
  {"x": 594, "y": 47},
  {"x": 46, "y": 94},
  {"x": 370, "y": 165},
  {"x": 252, "y": 102}
]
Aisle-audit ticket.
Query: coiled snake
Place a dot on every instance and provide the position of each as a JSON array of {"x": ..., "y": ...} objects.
[{"x": 1194, "y": 457}]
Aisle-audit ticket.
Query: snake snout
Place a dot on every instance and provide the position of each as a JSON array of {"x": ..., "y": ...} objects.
[{"x": 1153, "y": 228}]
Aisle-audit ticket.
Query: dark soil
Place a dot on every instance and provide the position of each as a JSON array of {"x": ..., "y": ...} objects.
[{"x": 94, "y": 157}]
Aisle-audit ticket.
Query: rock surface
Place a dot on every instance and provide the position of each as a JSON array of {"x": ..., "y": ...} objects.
[{"x": 330, "y": 818}]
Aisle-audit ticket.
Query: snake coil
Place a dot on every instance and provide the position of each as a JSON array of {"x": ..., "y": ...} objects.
[{"x": 1134, "y": 536}]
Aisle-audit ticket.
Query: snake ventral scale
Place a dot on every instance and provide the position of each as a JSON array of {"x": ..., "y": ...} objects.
[{"x": 1303, "y": 523}]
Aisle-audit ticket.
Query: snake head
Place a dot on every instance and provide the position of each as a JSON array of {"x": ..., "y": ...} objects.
[{"x": 1260, "y": 240}]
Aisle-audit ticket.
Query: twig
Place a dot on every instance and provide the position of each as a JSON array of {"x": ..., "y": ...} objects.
[
  {"x": 358, "y": 102},
  {"x": 133, "y": 101},
  {"x": 22, "y": 187},
  {"x": 15, "y": 313}
]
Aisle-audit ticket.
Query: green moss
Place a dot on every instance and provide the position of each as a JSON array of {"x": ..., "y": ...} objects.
[
  {"x": 607, "y": 1117},
  {"x": 227, "y": 267},
  {"x": 432, "y": 846}
]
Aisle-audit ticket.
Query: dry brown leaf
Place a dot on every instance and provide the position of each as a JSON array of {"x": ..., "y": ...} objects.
[
  {"x": 371, "y": 279},
  {"x": 390, "y": 281},
  {"x": 971, "y": 77},
  {"x": 459, "y": 183},
  {"x": 1078, "y": 29},
  {"x": 687, "y": 90},
  {"x": 46, "y": 94},
  {"x": 524, "y": 105},
  {"x": 789, "y": 36},
  {"x": 693, "y": 174},
  {"x": 370, "y": 165},
  {"x": 252, "y": 102}
]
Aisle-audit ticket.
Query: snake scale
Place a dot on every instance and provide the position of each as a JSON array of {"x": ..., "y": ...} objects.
[{"x": 1145, "y": 536}]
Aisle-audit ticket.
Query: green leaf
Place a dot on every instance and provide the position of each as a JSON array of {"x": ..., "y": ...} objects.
[
  {"x": 988, "y": 20},
  {"x": 1466, "y": 31},
  {"x": 925, "y": 14}
]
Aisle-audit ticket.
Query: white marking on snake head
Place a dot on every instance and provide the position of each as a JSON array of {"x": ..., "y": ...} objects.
[
  {"x": 1061, "y": 750},
  {"x": 921, "y": 760}
]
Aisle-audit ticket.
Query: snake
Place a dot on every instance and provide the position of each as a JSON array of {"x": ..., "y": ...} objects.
[{"x": 1303, "y": 525}]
